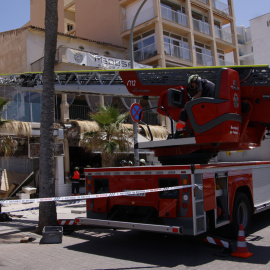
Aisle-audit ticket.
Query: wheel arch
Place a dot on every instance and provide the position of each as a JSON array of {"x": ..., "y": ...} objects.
[
  {"x": 243, "y": 214},
  {"x": 246, "y": 190}
]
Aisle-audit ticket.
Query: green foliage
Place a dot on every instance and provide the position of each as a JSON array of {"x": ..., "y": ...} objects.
[
  {"x": 7, "y": 144},
  {"x": 112, "y": 136},
  {"x": 3, "y": 102}
]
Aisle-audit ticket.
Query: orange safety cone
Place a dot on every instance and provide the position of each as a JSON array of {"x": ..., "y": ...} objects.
[{"x": 241, "y": 249}]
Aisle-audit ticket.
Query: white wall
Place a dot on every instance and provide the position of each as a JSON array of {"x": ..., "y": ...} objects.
[
  {"x": 35, "y": 47},
  {"x": 146, "y": 13},
  {"x": 36, "y": 39},
  {"x": 261, "y": 153},
  {"x": 260, "y": 32}
]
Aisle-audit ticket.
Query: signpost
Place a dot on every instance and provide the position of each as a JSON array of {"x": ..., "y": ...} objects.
[{"x": 136, "y": 112}]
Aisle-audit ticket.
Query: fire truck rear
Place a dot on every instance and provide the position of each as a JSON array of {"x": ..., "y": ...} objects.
[
  {"x": 209, "y": 196},
  {"x": 205, "y": 196}
]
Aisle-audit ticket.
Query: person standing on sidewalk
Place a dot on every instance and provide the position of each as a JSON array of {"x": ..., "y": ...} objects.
[{"x": 76, "y": 181}]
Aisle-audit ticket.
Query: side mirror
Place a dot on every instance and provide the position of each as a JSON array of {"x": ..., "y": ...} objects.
[{"x": 176, "y": 98}]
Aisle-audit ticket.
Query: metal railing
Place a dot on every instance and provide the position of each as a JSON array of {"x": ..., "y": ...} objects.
[
  {"x": 222, "y": 62},
  {"x": 144, "y": 16},
  {"x": 201, "y": 26},
  {"x": 174, "y": 16},
  {"x": 145, "y": 53},
  {"x": 204, "y": 59},
  {"x": 221, "y": 6},
  {"x": 204, "y": 1},
  {"x": 79, "y": 112},
  {"x": 224, "y": 35},
  {"x": 31, "y": 112},
  {"x": 177, "y": 51}
]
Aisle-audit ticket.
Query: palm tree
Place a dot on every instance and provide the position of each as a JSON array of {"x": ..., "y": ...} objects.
[
  {"x": 113, "y": 136},
  {"x": 47, "y": 210},
  {"x": 7, "y": 144},
  {"x": 3, "y": 102}
]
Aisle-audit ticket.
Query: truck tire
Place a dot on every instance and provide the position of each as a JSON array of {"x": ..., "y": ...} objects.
[{"x": 241, "y": 213}]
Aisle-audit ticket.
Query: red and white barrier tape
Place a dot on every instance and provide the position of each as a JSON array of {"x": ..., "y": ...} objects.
[
  {"x": 102, "y": 195},
  {"x": 67, "y": 222}
]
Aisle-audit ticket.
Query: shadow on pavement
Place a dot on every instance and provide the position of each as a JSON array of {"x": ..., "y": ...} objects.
[
  {"x": 150, "y": 248},
  {"x": 21, "y": 224},
  {"x": 158, "y": 249},
  {"x": 168, "y": 250}
]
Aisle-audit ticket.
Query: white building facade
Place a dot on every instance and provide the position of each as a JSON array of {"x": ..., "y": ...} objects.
[{"x": 254, "y": 42}]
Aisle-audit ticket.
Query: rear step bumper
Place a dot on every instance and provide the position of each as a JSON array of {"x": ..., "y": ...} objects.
[{"x": 131, "y": 226}]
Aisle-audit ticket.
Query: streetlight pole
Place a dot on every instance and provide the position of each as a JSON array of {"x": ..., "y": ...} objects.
[
  {"x": 131, "y": 36},
  {"x": 135, "y": 127}
]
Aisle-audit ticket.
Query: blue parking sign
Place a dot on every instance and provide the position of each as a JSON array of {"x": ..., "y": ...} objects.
[{"x": 136, "y": 112}]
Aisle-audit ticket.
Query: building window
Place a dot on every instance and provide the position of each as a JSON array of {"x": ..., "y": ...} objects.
[
  {"x": 221, "y": 57},
  {"x": 176, "y": 46},
  {"x": 268, "y": 23},
  {"x": 173, "y": 12},
  {"x": 200, "y": 23},
  {"x": 70, "y": 27},
  {"x": 144, "y": 46},
  {"x": 203, "y": 54}
]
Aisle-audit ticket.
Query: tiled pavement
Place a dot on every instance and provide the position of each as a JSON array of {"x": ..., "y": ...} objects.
[{"x": 109, "y": 249}]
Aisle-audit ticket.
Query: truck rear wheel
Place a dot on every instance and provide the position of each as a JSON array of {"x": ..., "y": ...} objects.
[{"x": 241, "y": 213}]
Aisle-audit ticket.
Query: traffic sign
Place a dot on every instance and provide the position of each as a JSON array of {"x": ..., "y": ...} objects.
[{"x": 136, "y": 112}]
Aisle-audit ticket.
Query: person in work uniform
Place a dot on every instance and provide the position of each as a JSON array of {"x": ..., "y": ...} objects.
[
  {"x": 76, "y": 181},
  {"x": 142, "y": 162},
  {"x": 123, "y": 163},
  {"x": 196, "y": 88}
]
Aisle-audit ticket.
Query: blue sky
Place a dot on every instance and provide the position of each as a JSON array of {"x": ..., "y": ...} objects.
[{"x": 15, "y": 13}]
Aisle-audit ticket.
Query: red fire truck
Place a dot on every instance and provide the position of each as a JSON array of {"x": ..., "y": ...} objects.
[{"x": 205, "y": 195}]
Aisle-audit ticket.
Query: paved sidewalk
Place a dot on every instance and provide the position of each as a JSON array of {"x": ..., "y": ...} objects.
[
  {"x": 25, "y": 217},
  {"x": 101, "y": 249}
]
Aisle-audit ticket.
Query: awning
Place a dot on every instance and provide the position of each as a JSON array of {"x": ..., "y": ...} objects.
[{"x": 158, "y": 132}]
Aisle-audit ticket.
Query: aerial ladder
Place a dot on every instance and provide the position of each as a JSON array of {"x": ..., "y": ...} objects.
[{"x": 236, "y": 118}]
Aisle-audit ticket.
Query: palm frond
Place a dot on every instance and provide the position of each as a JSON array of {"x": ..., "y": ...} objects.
[
  {"x": 112, "y": 136},
  {"x": 8, "y": 145},
  {"x": 3, "y": 102}
]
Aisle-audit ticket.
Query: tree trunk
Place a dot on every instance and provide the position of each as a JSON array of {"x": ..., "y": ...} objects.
[
  {"x": 47, "y": 210},
  {"x": 108, "y": 159}
]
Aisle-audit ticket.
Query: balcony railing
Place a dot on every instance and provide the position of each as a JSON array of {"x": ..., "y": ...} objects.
[
  {"x": 204, "y": 59},
  {"x": 177, "y": 51},
  {"x": 222, "y": 62},
  {"x": 204, "y": 1},
  {"x": 221, "y": 6},
  {"x": 143, "y": 16},
  {"x": 145, "y": 53},
  {"x": 174, "y": 16},
  {"x": 224, "y": 35},
  {"x": 201, "y": 26}
]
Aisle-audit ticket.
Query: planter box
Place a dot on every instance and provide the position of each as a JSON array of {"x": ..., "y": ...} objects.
[
  {"x": 52, "y": 235},
  {"x": 29, "y": 190},
  {"x": 23, "y": 196}
]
